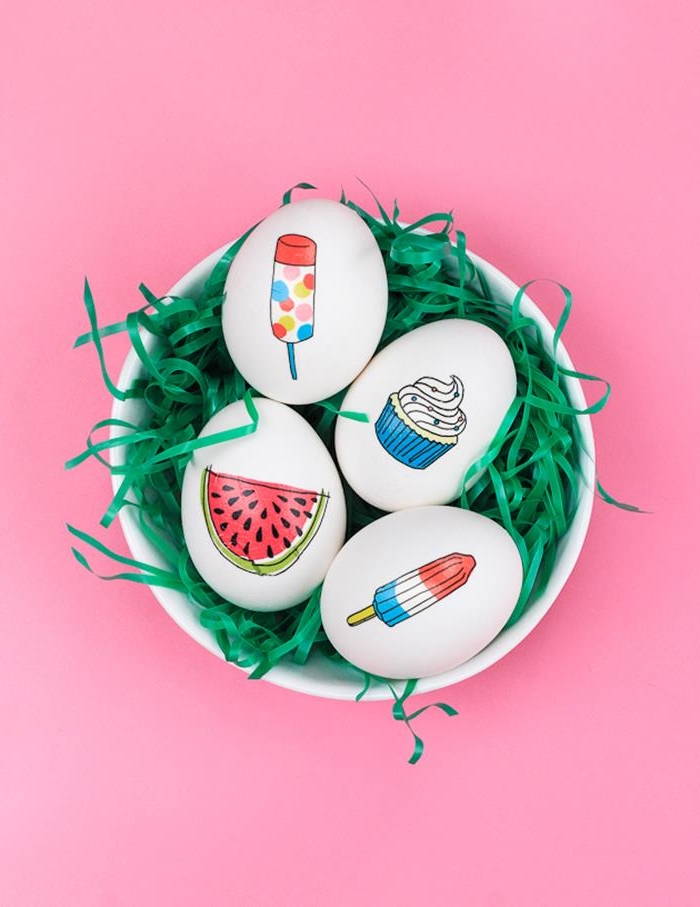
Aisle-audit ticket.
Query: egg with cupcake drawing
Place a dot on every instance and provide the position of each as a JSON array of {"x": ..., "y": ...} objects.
[{"x": 434, "y": 400}]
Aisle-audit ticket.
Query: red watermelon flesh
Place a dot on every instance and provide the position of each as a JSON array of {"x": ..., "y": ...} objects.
[{"x": 262, "y": 527}]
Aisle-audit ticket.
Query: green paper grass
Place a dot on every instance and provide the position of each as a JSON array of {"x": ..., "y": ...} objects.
[{"x": 532, "y": 473}]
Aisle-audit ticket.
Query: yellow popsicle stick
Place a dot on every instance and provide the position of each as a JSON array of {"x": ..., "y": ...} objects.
[{"x": 359, "y": 617}]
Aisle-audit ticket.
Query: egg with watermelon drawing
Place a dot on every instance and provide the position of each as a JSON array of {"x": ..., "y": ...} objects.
[{"x": 263, "y": 514}]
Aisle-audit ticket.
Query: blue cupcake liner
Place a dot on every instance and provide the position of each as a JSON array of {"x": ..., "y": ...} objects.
[{"x": 403, "y": 443}]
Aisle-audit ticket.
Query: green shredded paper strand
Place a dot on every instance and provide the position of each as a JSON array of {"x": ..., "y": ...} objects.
[{"x": 531, "y": 471}]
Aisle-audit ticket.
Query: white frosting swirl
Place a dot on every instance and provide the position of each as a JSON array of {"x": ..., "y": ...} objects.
[{"x": 434, "y": 405}]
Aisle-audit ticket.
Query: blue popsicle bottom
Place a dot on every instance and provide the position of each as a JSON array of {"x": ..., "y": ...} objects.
[{"x": 387, "y": 605}]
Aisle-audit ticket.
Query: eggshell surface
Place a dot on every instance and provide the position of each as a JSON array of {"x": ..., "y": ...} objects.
[
  {"x": 435, "y": 399},
  {"x": 264, "y": 514},
  {"x": 305, "y": 301},
  {"x": 420, "y": 591}
]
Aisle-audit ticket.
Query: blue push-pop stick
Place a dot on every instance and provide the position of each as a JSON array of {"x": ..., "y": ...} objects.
[
  {"x": 292, "y": 360},
  {"x": 293, "y": 291}
]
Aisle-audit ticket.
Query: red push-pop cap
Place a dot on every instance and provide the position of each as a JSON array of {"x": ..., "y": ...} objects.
[{"x": 293, "y": 249}]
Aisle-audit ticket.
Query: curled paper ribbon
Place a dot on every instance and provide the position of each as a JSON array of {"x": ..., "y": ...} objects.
[{"x": 531, "y": 470}]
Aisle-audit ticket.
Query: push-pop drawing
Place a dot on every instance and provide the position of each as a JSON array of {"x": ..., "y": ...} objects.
[{"x": 293, "y": 292}]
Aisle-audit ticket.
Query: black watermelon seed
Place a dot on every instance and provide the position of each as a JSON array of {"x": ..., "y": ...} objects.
[
  {"x": 215, "y": 494},
  {"x": 301, "y": 501},
  {"x": 263, "y": 513},
  {"x": 219, "y": 510},
  {"x": 258, "y": 535},
  {"x": 307, "y": 513},
  {"x": 223, "y": 527},
  {"x": 299, "y": 532},
  {"x": 234, "y": 539},
  {"x": 277, "y": 510},
  {"x": 282, "y": 498},
  {"x": 246, "y": 524},
  {"x": 287, "y": 543},
  {"x": 232, "y": 501},
  {"x": 246, "y": 548},
  {"x": 286, "y": 523},
  {"x": 275, "y": 532},
  {"x": 252, "y": 505},
  {"x": 227, "y": 488},
  {"x": 295, "y": 512},
  {"x": 313, "y": 499},
  {"x": 236, "y": 514},
  {"x": 247, "y": 492},
  {"x": 269, "y": 551}
]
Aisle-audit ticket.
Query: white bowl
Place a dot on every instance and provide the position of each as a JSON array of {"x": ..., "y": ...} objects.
[{"x": 321, "y": 676}]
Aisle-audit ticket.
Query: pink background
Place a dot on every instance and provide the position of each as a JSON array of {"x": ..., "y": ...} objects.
[{"x": 135, "y": 768}]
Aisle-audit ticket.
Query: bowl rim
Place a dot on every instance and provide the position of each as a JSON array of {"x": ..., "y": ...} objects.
[{"x": 298, "y": 677}]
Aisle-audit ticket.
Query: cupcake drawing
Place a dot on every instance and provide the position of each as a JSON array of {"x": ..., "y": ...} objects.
[{"x": 422, "y": 421}]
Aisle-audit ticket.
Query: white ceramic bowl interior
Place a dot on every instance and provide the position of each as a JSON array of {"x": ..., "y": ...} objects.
[{"x": 321, "y": 676}]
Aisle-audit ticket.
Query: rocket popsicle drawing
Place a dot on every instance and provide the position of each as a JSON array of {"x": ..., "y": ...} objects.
[
  {"x": 417, "y": 590},
  {"x": 293, "y": 291}
]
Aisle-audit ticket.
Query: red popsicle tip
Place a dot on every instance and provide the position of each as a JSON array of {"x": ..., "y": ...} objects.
[{"x": 447, "y": 573}]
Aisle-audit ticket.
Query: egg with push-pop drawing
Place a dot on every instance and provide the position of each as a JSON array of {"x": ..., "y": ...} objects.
[
  {"x": 305, "y": 301},
  {"x": 263, "y": 514},
  {"x": 421, "y": 591},
  {"x": 435, "y": 399}
]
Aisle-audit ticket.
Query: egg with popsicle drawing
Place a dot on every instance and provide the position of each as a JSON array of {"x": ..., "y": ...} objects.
[
  {"x": 305, "y": 301},
  {"x": 435, "y": 399},
  {"x": 420, "y": 591},
  {"x": 263, "y": 515}
]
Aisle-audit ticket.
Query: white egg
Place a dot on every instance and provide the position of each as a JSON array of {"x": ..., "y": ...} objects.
[
  {"x": 264, "y": 514},
  {"x": 305, "y": 301},
  {"x": 435, "y": 399},
  {"x": 420, "y": 591}
]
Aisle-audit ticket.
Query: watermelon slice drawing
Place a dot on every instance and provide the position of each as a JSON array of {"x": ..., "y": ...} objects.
[{"x": 261, "y": 527}]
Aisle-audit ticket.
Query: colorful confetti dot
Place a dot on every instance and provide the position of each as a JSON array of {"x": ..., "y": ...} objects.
[
  {"x": 287, "y": 322},
  {"x": 305, "y": 331},
  {"x": 287, "y": 305},
  {"x": 304, "y": 311},
  {"x": 291, "y": 272},
  {"x": 309, "y": 281},
  {"x": 300, "y": 291},
  {"x": 278, "y": 330},
  {"x": 280, "y": 290}
]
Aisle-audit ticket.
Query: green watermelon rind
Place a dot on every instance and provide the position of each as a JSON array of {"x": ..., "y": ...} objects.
[{"x": 279, "y": 564}]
